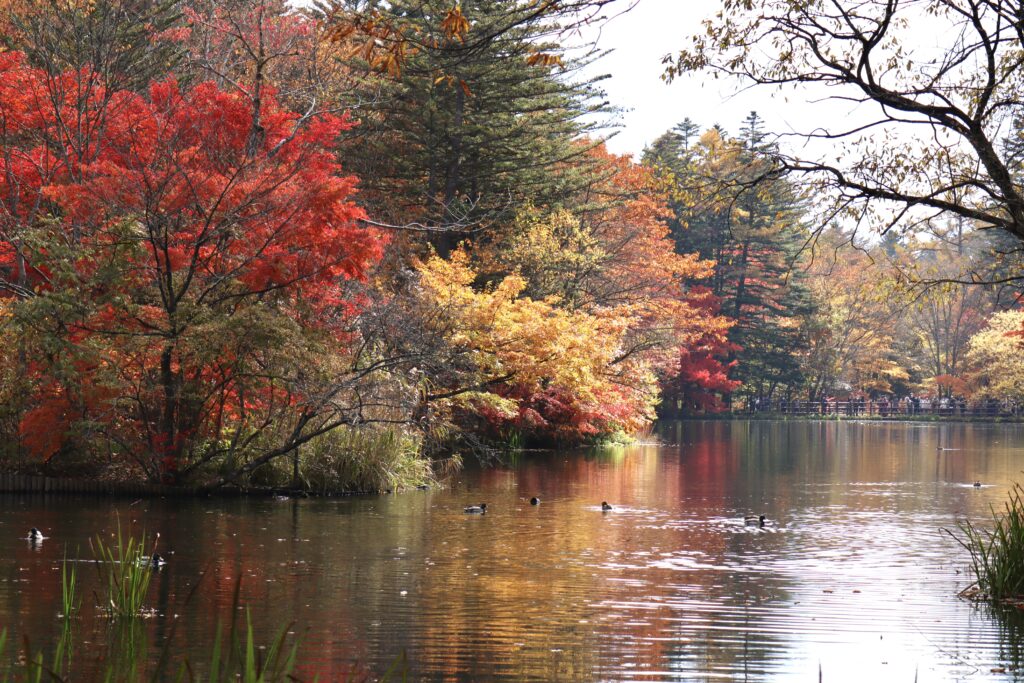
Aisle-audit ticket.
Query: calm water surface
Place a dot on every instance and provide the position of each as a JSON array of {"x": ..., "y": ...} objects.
[{"x": 852, "y": 578}]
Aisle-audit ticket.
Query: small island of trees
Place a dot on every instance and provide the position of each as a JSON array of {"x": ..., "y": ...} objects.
[{"x": 342, "y": 247}]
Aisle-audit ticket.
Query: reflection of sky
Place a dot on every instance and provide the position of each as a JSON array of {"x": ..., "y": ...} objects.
[{"x": 851, "y": 574}]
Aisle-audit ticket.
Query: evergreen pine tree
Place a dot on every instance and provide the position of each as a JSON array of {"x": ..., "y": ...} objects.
[
  {"x": 464, "y": 135},
  {"x": 731, "y": 207}
]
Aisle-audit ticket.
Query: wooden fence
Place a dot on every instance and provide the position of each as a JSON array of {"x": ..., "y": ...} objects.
[
  {"x": 19, "y": 483},
  {"x": 888, "y": 408}
]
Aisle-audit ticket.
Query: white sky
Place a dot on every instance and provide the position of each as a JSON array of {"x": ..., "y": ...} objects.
[{"x": 654, "y": 28}]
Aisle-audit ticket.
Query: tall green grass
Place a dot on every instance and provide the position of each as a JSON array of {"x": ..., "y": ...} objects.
[
  {"x": 33, "y": 667},
  {"x": 125, "y": 572},
  {"x": 242, "y": 661},
  {"x": 236, "y": 658},
  {"x": 997, "y": 554},
  {"x": 69, "y": 588}
]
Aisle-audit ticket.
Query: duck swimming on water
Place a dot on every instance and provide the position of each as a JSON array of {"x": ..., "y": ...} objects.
[
  {"x": 34, "y": 535},
  {"x": 605, "y": 507},
  {"x": 475, "y": 509},
  {"x": 977, "y": 484},
  {"x": 754, "y": 521},
  {"x": 535, "y": 501},
  {"x": 157, "y": 560}
]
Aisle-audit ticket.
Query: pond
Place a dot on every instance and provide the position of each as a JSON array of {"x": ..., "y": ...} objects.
[{"x": 851, "y": 578}]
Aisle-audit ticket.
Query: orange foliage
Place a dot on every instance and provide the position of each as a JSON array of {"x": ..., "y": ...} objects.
[
  {"x": 534, "y": 353},
  {"x": 597, "y": 306}
]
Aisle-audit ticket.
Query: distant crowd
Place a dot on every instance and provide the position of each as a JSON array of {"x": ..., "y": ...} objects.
[{"x": 885, "y": 406}]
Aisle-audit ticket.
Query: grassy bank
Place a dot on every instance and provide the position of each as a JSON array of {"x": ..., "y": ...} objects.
[{"x": 344, "y": 461}]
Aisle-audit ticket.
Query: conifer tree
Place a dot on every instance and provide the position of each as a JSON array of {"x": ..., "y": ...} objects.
[
  {"x": 457, "y": 135},
  {"x": 730, "y": 207}
]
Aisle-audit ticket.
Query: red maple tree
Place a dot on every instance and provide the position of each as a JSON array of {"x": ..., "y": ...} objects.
[{"x": 196, "y": 235}]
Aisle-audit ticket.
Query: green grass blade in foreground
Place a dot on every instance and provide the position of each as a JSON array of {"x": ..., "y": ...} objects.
[{"x": 69, "y": 588}]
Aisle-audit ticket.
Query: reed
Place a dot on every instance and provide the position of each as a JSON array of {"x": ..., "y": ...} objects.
[
  {"x": 364, "y": 460},
  {"x": 124, "y": 570},
  {"x": 69, "y": 588},
  {"x": 241, "y": 660},
  {"x": 233, "y": 658},
  {"x": 32, "y": 664},
  {"x": 997, "y": 554}
]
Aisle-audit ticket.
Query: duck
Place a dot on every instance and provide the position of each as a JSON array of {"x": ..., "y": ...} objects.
[
  {"x": 605, "y": 507},
  {"x": 35, "y": 534},
  {"x": 535, "y": 501},
  {"x": 977, "y": 484},
  {"x": 157, "y": 560},
  {"x": 754, "y": 521},
  {"x": 475, "y": 509}
]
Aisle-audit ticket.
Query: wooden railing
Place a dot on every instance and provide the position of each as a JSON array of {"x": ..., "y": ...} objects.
[{"x": 885, "y": 408}]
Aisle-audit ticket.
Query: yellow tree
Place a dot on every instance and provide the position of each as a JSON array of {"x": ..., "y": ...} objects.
[
  {"x": 995, "y": 364},
  {"x": 535, "y": 366},
  {"x": 851, "y": 333},
  {"x": 582, "y": 308}
]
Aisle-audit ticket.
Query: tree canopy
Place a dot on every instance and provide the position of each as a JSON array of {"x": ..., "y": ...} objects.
[{"x": 928, "y": 140}]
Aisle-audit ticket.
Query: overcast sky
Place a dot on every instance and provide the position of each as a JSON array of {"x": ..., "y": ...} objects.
[{"x": 640, "y": 38}]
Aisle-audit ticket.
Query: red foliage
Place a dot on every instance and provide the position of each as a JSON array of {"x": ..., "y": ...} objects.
[
  {"x": 556, "y": 415},
  {"x": 203, "y": 207},
  {"x": 702, "y": 378}
]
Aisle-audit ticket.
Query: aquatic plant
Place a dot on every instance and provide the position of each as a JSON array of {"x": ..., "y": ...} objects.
[
  {"x": 32, "y": 664},
  {"x": 233, "y": 658},
  {"x": 125, "y": 571},
  {"x": 997, "y": 554},
  {"x": 243, "y": 661},
  {"x": 69, "y": 588}
]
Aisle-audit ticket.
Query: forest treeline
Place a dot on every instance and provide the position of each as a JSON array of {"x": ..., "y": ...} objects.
[{"x": 342, "y": 246}]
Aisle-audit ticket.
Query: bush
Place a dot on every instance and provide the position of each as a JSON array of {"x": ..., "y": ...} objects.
[{"x": 356, "y": 460}]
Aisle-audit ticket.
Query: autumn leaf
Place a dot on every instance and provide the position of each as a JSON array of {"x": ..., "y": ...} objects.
[{"x": 455, "y": 25}]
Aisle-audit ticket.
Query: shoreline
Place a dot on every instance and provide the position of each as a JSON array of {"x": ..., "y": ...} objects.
[
  {"x": 26, "y": 484},
  {"x": 785, "y": 417}
]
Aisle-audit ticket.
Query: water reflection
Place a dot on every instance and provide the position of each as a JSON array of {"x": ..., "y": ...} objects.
[{"x": 851, "y": 575}]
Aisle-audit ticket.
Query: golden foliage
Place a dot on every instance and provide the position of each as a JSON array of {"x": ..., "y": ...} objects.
[
  {"x": 455, "y": 26},
  {"x": 535, "y": 344},
  {"x": 995, "y": 359}
]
